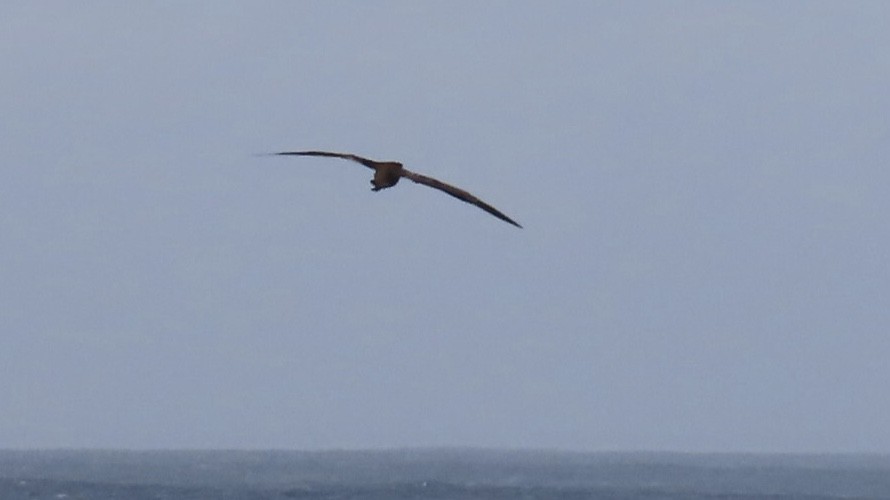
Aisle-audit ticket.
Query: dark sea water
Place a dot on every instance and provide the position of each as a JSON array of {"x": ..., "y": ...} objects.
[{"x": 438, "y": 474}]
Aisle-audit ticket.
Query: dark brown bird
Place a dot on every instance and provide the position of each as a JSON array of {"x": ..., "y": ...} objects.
[{"x": 388, "y": 173}]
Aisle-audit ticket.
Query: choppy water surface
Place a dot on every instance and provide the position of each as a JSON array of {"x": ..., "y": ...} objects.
[{"x": 421, "y": 474}]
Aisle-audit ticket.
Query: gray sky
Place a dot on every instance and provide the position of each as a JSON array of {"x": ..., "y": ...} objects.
[{"x": 703, "y": 187}]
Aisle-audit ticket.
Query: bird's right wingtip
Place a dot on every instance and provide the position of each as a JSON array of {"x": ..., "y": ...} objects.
[{"x": 508, "y": 220}]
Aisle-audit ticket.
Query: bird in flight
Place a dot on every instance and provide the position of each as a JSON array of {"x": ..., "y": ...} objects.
[{"x": 388, "y": 173}]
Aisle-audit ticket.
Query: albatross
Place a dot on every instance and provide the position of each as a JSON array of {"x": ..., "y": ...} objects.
[{"x": 388, "y": 173}]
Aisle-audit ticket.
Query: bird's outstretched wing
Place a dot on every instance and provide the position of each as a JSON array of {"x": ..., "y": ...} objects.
[
  {"x": 458, "y": 193},
  {"x": 346, "y": 156}
]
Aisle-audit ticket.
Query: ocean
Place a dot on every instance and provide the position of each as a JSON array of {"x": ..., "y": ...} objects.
[{"x": 435, "y": 474}]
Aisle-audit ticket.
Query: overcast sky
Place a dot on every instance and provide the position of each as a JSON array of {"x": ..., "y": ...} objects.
[{"x": 703, "y": 186}]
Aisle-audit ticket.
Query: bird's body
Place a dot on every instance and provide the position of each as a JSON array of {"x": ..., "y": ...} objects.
[{"x": 388, "y": 173}]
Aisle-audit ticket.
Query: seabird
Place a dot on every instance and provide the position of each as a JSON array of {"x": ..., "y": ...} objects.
[{"x": 388, "y": 173}]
